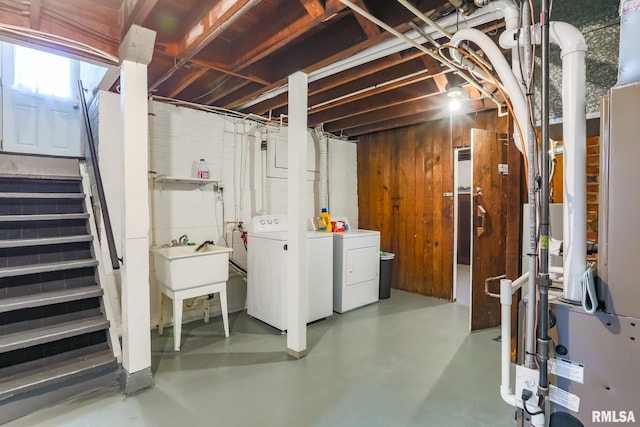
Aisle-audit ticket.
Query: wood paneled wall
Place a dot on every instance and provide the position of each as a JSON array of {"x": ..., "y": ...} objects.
[{"x": 402, "y": 175}]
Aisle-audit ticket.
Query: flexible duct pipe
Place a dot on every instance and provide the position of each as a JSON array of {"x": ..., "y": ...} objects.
[
  {"x": 502, "y": 67},
  {"x": 263, "y": 183},
  {"x": 506, "y": 292},
  {"x": 323, "y": 192},
  {"x": 574, "y": 130}
]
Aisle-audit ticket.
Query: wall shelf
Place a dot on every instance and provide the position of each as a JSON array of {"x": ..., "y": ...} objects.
[{"x": 163, "y": 179}]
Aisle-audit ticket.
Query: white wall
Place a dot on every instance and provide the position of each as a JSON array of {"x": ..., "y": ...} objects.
[
  {"x": 464, "y": 174},
  {"x": 180, "y": 136}
]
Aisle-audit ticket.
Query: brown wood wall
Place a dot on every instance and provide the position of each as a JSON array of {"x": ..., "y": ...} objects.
[{"x": 402, "y": 175}]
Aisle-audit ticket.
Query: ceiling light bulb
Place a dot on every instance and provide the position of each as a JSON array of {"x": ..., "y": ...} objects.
[
  {"x": 455, "y": 92},
  {"x": 454, "y": 104}
]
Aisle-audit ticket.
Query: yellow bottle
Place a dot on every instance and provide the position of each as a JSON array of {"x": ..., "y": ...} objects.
[{"x": 326, "y": 220}]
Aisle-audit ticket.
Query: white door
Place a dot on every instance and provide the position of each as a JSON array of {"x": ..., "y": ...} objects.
[{"x": 41, "y": 112}]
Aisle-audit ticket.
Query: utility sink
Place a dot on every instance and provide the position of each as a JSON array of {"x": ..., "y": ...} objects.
[
  {"x": 181, "y": 267},
  {"x": 182, "y": 272}
]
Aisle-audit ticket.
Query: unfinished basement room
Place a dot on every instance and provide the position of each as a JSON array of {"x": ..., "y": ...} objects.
[{"x": 322, "y": 213}]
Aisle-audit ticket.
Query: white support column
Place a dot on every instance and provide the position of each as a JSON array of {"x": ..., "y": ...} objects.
[
  {"x": 136, "y": 317},
  {"x": 298, "y": 288}
]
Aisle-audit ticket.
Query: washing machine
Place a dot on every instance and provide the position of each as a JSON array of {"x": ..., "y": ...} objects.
[
  {"x": 356, "y": 269},
  {"x": 267, "y": 271}
]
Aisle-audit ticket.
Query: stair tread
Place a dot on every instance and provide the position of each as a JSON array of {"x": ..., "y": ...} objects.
[
  {"x": 46, "y": 298},
  {"x": 56, "y": 373},
  {"x": 34, "y": 177},
  {"x": 17, "y": 243},
  {"x": 41, "y": 268},
  {"x": 23, "y": 339},
  {"x": 41, "y": 195},
  {"x": 43, "y": 217}
]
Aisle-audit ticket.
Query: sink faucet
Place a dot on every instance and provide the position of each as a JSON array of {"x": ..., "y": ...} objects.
[{"x": 182, "y": 241}]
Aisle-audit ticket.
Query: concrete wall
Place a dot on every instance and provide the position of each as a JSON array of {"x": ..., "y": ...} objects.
[{"x": 179, "y": 137}]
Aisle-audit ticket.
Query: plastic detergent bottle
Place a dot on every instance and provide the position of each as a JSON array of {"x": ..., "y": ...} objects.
[
  {"x": 203, "y": 170},
  {"x": 326, "y": 220}
]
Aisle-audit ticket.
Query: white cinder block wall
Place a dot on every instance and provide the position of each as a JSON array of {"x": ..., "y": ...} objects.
[{"x": 180, "y": 136}]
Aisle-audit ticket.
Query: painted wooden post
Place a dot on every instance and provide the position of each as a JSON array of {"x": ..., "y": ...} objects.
[
  {"x": 298, "y": 288},
  {"x": 136, "y": 319}
]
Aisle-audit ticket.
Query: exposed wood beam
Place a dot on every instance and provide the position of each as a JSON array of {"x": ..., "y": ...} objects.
[
  {"x": 210, "y": 25},
  {"x": 214, "y": 21},
  {"x": 185, "y": 81},
  {"x": 225, "y": 70},
  {"x": 394, "y": 111},
  {"x": 397, "y": 122},
  {"x": 344, "y": 77},
  {"x": 35, "y": 14},
  {"x": 86, "y": 29},
  {"x": 407, "y": 94},
  {"x": 369, "y": 28},
  {"x": 134, "y": 12},
  {"x": 329, "y": 60},
  {"x": 363, "y": 94},
  {"x": 441, "y": 81},
  {"x": 209, "y": 100},
  {"x": 432, "y": 64},
  {"x": 272, "y": 36},
  {"x": 435, "y": 106},
  {"x": 314, "y": 8}
]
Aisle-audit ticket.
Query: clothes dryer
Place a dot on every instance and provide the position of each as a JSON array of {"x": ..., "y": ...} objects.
[{"x": 356, "y": 269}]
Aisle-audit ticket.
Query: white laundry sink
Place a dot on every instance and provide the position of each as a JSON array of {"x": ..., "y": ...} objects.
[{"x": 181, "y": 267}]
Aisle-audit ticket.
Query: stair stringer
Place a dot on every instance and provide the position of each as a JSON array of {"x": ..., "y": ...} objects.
[{"x": 101, "y": 274}]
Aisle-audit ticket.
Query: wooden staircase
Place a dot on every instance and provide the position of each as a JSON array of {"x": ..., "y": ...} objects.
[{"x": 55, "y": 336}]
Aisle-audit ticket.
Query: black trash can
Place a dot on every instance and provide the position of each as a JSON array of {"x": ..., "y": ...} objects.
[{"x": 386, "y": 261}]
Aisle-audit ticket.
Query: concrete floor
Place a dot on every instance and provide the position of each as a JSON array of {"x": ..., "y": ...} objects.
[{"x": 405, "y": 361}]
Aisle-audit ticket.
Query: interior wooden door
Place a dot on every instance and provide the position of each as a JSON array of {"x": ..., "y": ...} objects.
[{"x": 490, "y": 189}]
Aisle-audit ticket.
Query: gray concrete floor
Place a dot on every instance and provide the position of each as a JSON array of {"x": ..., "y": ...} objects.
[{"x": 405, "y": 361}]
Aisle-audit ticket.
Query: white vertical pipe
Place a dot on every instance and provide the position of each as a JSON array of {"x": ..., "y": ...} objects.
[
  {"x": 297, "y": 289},
  {"x": 506, "y": 292},
  {"x": 574, "y": 131},
  {"x": 505, "y": 343},
  {"x": 136, "y": 319}
]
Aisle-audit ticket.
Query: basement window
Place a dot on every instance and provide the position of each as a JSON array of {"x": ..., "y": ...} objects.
[{"x": 41, "y": 73}]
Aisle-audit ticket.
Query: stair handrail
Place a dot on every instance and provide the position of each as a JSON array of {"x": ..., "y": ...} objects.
[{"x": 113, "y": 254}]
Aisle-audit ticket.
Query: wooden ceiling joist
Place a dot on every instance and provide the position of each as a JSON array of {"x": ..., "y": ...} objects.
[
  {"x": 35, "y": 14},
  {"x": 134, "y": 12}
]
